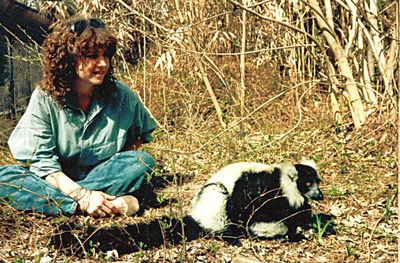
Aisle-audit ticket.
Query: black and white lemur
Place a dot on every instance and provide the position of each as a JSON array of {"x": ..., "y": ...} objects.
[
  {"x": 242, "y": 198},
  {"x": 257, "y": 199}
]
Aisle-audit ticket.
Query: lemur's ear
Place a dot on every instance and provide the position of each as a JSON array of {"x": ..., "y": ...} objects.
[{"x": 310, "y": 163}]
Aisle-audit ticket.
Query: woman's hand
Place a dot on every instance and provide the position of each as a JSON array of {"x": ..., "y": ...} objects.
[
  {"x": 94, "y": 203},
  {"x": 97, "y": 203}
]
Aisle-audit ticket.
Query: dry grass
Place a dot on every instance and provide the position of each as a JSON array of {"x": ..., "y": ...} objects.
[{"x": 359, "y": 182}]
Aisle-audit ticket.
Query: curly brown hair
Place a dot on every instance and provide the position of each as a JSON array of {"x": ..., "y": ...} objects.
[{"x": 61, "y": 48}]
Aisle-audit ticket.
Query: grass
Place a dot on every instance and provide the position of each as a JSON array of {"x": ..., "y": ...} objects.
[
  {"x": 357, "y": 179},
  {"x": 362, "y": 202},
  {"x": 320, "y": 229}
]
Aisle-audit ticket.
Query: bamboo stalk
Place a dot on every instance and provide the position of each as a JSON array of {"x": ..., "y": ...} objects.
[
  {"x": 355, "y": 103},
  {"x": 204, "y": 76},
  {"x": 365, "y": 73},
  {"x": 242, "y": 88},
  {"x": 354, "y": 99}
]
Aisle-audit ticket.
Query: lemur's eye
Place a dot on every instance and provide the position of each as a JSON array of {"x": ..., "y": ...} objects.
[{"x": 309, "y": 184}]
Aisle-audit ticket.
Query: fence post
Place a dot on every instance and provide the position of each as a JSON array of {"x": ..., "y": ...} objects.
[{"x": 11, "y": 90}]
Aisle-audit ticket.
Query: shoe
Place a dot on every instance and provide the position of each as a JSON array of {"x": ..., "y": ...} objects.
[{"x": 132, "y": 204}]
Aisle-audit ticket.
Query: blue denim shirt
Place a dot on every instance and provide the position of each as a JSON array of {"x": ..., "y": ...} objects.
[{"x": 49, "y": 136}]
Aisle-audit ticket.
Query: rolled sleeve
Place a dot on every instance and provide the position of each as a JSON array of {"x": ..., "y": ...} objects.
[
  {"x": 143, "y": 123},
  {"x": 33, "y": 141}
]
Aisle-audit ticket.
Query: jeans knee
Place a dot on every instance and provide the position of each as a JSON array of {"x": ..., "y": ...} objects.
[
  {"x": 142, "y": 158},
  {"x": 12, "y": 171},
  {"x": 147, "y": 159}
]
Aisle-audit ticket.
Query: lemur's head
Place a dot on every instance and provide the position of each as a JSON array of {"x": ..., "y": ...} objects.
[{"x": 308, "y": 180}]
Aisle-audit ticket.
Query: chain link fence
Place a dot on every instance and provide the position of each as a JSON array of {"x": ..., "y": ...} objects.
[{"x": 19, "y": 72}]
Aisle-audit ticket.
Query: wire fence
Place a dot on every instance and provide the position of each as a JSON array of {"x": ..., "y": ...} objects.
[{"x": 19, "y": 72}]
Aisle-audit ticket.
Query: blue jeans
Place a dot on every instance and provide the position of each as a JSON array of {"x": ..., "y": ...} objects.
[{"x": 120, "y": 175}]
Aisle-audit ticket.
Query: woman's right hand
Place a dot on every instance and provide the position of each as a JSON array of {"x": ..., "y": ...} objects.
[{"x": 97, "y": 203}]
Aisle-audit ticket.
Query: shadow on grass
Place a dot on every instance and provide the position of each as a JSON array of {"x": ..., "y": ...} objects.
[
  {"x": 126, "y": 239},
  {"x": 74, "y": 240}
]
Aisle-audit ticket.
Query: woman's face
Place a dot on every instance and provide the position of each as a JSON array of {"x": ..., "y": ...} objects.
[{"x": 92, "y": 69}]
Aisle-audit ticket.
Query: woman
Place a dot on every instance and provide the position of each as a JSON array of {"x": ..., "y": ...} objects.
[{"x": 80, "y": 133}]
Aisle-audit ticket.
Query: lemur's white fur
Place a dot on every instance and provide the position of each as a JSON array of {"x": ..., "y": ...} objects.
[
  {"x": 209, "y": 208},
  {"x": 209, "y": 204},
  {"x": 289, "y": 178},
  {"x": 310, "y": 163},
  {"x": 269, "y": 229}
]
